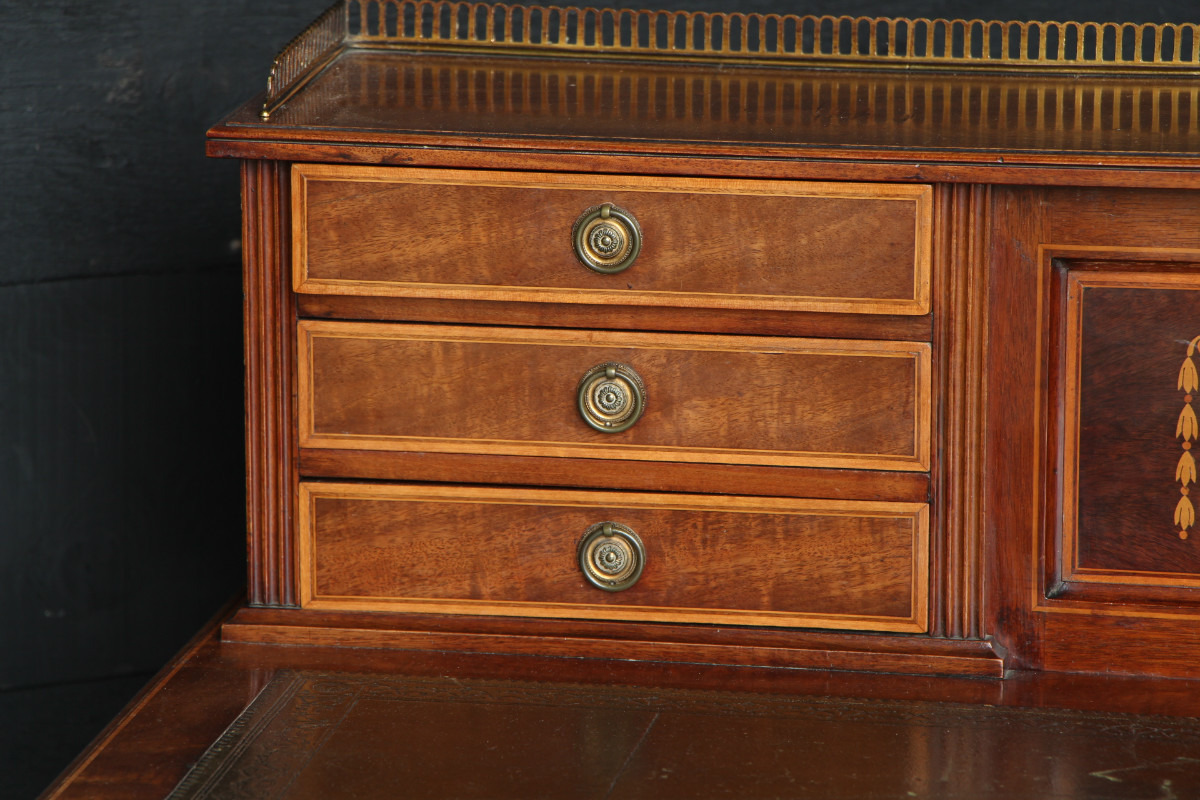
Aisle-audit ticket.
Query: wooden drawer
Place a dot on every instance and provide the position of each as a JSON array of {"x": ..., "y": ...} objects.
[
  {"x": 726, "y": 399},
  {"x": 785, "y": 245},
  {"x": 513, "y": 552}
]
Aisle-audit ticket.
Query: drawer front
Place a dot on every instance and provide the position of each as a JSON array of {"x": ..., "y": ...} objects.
[
  {"x": 784, "y": 245},
  {"x": 721, "y": 399},
  {"x": 724, "y": 560}
]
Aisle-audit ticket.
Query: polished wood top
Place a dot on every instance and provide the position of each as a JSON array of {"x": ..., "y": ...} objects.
[
  {"x": 947, "y": 100},
  {"x": 405, "y": 99}
]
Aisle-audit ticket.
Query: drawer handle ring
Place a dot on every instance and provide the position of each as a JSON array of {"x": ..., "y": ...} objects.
[
  {"x": 611, "y": 556},
  {"x": 606, "y": 239},
  {"x": 611, "y": 397}
]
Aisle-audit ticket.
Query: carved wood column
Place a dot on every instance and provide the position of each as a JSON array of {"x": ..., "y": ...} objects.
[
  {"x": 270, "y": 320},
  {"x": 960, "y": 338}
]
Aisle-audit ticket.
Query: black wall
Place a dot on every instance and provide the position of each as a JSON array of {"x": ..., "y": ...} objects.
[{"x": 121, "y": 470}]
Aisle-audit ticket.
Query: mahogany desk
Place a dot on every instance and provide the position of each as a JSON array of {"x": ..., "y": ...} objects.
[
  {"x": 530, "y": 726},
  {"x": 728, "y": 339}
]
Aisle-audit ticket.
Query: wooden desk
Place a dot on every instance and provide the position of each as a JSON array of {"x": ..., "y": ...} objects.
[
  {"x": 895, "y": 314},
  {"x": 522, "y": 726},
  {"x": 682, "y": 352}
]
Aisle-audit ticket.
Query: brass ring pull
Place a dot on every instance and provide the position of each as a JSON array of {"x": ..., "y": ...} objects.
[
  {"x": 611, "y": 397},
  {"x": 611, "y": 556},
  {"x": 606, "y": 239}
]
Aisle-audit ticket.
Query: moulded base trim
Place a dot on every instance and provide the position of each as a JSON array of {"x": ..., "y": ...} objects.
[{"x": 911, "y": 655}]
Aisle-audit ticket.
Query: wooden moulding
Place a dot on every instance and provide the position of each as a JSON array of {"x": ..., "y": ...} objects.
[
  {"x": 625, "y": 641},
  {"x": 270, "y": 319},
  {"x": 768, "y": 245},
  {"x": 849, "y": 565},
  {"x": 960, "y": 342},
  {"x": 653, "y": 476},
  {"x": 609, "y": 317},
  {"x": 798, "y": 161},
  {"x": 511, "y": 391}
]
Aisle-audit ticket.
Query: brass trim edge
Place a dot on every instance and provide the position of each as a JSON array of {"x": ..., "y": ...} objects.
[
  {"x": 774, "y": 38},
  {"x": 1105, "y": 47},
  {"x": 305, "y": 56}
]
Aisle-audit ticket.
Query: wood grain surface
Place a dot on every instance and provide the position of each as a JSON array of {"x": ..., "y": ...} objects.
[
  {"x": 710, "y": 243},
  {"x": 269, "y": 318},
  {"x": 799, "y": 402},
  {"x": 958, "y": 469},
  {"x": 661, "y": 642},
  {"x": 1125, "y": 342},
  {"x": 619, "y": 317},
  {"x": 655, "y": 476},
  {"x": 749, "y": 359},
  {"x": 831, "y": 564},
  {"x": 1014, "y": 447},
  {"x": 1051, "y": 239}
]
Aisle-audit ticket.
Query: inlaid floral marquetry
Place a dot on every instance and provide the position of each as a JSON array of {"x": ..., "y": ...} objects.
[
  {"x": 1187, "y": 429},
  {"x": 1127, "y": 507}
]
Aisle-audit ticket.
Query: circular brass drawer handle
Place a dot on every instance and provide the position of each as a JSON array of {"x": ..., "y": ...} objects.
[
  {"x": 606, "y": 239},
  {"x": 611, "y": 556},
  {"x": 611, "y": 397}
]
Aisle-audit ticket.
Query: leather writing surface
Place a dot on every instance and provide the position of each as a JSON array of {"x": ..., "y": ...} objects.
[{"x": 317, "y": 735}]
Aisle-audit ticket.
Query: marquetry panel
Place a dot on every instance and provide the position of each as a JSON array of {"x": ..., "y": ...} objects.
[
  {"x": 1091, "y": 304},
  {"x": 1129, "y": 426},
  {"x": 710, "y": 399},
  {"x": 712, "y": 243},
  {"x": 512, "y": 552}
]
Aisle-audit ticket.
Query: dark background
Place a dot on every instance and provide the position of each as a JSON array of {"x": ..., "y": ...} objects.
[{"x": 121, "y": 467}]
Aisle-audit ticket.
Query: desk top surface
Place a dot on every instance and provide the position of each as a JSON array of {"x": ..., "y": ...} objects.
[
  {"x": 349, "y": 91},
  {"x": 515, "y": 726}
]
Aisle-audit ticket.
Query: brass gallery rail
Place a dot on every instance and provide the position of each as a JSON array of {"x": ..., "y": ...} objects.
[{"x": 764, "y": 38}]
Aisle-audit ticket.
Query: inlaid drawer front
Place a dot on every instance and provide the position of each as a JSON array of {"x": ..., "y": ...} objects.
[
  {"x": 513, "y": 391},
  {"x": 784, "y": 245},
  {"x": 725, "y": 560}
]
